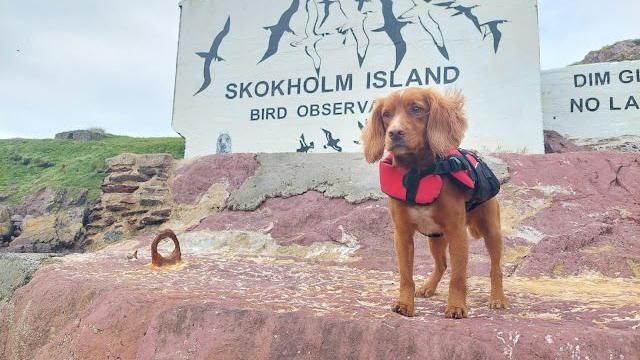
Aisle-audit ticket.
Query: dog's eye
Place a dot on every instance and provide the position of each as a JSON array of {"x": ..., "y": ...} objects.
[
  {"x": 386, "y": 114},
  {"x": 415, "y": 109}
]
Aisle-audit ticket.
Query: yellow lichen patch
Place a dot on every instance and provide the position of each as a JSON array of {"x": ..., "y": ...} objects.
[
  {"x": 212, "y": 201},
  {"x": 624, "y": 213},
  {"x": 540, "y": 316},
  {"x": 557, "y": 269},
  {"x": 634, "y": 265},
  {"x": 174, "y": 267},
  {"x": 515, "y": 254},
  {"x": 514, "y": 210},
  {"x": 593, "y": 289},
  {"x": 550, "y": 190},
  {"x": 598, "y": 249},
  {"x": 247, "y": 243}
]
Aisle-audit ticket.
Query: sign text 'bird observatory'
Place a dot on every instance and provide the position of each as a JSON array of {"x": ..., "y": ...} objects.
[{"x": 302, "y": 75}]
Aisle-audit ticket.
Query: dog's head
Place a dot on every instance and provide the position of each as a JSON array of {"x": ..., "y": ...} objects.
[{"x": 414, "y": 121}]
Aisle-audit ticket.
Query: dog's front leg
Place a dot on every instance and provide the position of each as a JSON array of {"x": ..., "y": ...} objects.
[
  {"x": 459, "y": 254},
  {"x": 403, "y": 243}
]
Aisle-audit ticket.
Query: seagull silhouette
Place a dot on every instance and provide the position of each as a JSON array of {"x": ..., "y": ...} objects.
[
  {"x": 492, "y": 27},
  {"x": 304, "y": 147},
  {"x": 312, "y": 37},
  {"x": 327, "y": 5},
  {"x": 392, "y": 26},
  {"x": 213, "y": 55},
  {"x": 331, "y": 142},
  {"x": 463, "y": 10},
  {"x": 361, "y": 4},
  {"x": 420, "y": 13},
  {"x": 356, "y": 26},
  {"x": 278, "y": 30}
]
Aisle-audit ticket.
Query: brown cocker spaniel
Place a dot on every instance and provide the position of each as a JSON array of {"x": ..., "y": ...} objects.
[{"x": 419, "y": 126}]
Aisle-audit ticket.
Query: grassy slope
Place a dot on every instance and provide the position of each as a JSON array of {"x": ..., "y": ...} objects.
[{"x": 75, "y": 165}]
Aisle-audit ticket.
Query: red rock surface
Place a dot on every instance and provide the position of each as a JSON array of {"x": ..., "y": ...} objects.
[
  {"x": 194, "y": 177},
  {"x": 311, "y": 277},
  {"x": 593, "y": 219},
  {"x": 556, "y": 143}
]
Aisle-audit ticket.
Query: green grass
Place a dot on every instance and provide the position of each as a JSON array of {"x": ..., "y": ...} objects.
[{"x": 28, "y": 165}]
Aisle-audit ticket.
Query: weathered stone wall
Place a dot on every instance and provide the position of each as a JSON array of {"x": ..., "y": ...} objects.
[{"x": 135, "y": 196}]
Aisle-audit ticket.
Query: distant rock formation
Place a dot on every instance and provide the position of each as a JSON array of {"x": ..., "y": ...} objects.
[
  {"x": 82, "y": 135},
  {"x": 556, "y": 143},
  {"x": 624, "y": 143},
  {"x": 620, "y": 51}
]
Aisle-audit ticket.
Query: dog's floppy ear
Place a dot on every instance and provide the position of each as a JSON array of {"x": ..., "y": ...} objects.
[
  {"x": 447, "y": 122},
  {"x": 373, "y": 134}
]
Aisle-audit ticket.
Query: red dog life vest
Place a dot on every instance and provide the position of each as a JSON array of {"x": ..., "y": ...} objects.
[{"x": 422, "y": 187}]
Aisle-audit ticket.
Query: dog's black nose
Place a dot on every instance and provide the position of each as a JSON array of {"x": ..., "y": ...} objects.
[{"x": 396, "y": 135}]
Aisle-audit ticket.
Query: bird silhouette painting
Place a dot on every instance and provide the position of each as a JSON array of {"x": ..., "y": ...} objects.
[
  {"x": 467, "y": 11},
  {"x": 361, "y": 4},
  {"x": 492, "y": 27},
  {"x": 212, "y": 56},
  {"x": 331, "y": 142},
  {"x": 312, "y": 37},
  {"x": 392, "y": 27},
  {"x": 355, "y": 26},
  {"x": 304, "y": 147},
  {"x": 279, "y": 29},
  {"x": 486, "y": 28},
  {"x": 327, "y": 7},
  {"x": 420, "y": 13}
]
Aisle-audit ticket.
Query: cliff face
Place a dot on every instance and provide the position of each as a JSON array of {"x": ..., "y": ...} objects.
[{"x": 620, "y": 51}]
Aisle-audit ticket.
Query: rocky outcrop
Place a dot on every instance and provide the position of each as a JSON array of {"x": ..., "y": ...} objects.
[
  {"x": 17, "y": 270},
  {"x": 311, "y": 275},
  {"x": 625, "y": 143},
  {"x": 48, "y": 200},
  {"x": 81, "y": 135},
  {"x": 135, "y": 196},
  {"x": 49, "y": 220},
  {"x": 556, "y": 143},
  {"x": 6, "y": 226},
  {"x": 620, "y": 51},
  {"x": 52, "y": 232}
]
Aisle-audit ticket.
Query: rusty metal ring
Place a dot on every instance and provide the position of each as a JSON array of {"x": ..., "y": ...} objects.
[{"x": 176, "y": 255}]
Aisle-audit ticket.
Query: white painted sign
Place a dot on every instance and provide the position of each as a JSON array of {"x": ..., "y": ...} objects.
[
  {"x": 301, "y": 75},
  {"x": 594, "y": 100}
]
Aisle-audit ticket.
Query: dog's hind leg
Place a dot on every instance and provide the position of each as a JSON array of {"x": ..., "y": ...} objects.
[
  {"x": 438, "y": 248},
  {"x": 485, "y": 221}
]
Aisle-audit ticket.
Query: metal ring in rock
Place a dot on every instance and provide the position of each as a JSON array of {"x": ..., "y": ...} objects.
[{"x": 176, "y": 255}]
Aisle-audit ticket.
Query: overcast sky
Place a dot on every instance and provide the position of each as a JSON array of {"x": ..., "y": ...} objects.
[{"x": 74, "y": 64}]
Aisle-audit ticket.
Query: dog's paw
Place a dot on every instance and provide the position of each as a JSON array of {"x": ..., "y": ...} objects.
[
  {"x": 499, "y": 303},
  {"x": 403, "y": 309},
  {"x": 425, "y": 291},
  {"x": 455, "y": 311}
]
